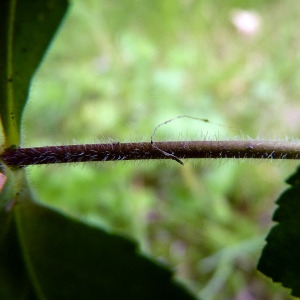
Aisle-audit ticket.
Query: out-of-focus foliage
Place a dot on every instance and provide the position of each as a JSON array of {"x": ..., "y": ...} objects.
[
  {"x": 118, "y": 69},
  {"x": 43, "y": 253}
]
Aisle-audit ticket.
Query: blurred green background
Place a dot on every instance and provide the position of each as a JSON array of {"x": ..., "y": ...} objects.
[{"x": 119, "y": 68}]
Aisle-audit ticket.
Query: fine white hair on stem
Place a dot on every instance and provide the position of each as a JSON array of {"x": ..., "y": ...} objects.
[{"x": 113, "y": 150}]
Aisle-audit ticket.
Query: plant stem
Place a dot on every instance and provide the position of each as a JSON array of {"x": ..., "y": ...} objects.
[{"x": 175, "y": 150}]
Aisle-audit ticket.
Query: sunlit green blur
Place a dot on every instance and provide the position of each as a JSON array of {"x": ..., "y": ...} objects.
[{"x": 119, "y": 68}]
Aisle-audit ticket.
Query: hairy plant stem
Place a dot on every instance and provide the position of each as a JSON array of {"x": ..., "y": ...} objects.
[{"x": 175, "y": 150}]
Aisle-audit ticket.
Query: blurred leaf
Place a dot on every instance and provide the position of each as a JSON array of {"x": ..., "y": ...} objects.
[
  {"x": 14, "y": 279},
  {"x": 26, "y": 30},
  {"x": 46, "y": 255},
  {"x": 280, "y": 259}
]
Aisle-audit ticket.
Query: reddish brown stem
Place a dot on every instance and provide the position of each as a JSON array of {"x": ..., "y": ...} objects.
[{"x": 175, "y": 150}]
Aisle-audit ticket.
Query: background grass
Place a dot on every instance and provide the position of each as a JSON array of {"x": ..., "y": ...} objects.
[{"x": 117, "y": 69}]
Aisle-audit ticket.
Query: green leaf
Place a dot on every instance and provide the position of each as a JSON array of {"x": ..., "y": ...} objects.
[
  {"x": 14, "y": 280},
  {"x": 45, "y": 255},
  {"x": 26, "y": 30},
  {"x": 280, "y": 259}
]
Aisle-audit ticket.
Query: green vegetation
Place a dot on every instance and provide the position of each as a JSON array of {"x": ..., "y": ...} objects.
[{"x": 115, "y": 71}]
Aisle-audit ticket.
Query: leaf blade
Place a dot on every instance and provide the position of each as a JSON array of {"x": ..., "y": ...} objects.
[
  {"x": 14, "y": 280},
  {"x": 69, "y": 259},
  {"x": 27, "y": 27},
  {"x": 280, "y": 258}
]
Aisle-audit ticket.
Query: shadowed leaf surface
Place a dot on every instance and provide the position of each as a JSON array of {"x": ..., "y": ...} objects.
[
  {"x": 280, "y": 259},
  {"x": 14, "y": 280},
  {"x": 46, "y": 255},
  {"x": 26, "y": 30}
]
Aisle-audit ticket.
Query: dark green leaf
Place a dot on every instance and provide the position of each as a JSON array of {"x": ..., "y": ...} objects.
[
  {"x": 26, "y": 30},
  {"x": 71, "y": 260},
  {"x": 280, "y": 259},
  {"x": 14, "y": 279},
  {"x": 49, "y": 256}
]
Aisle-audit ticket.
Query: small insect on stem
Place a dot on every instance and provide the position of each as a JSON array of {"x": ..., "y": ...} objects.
[{"x": 171, "y": 155}]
